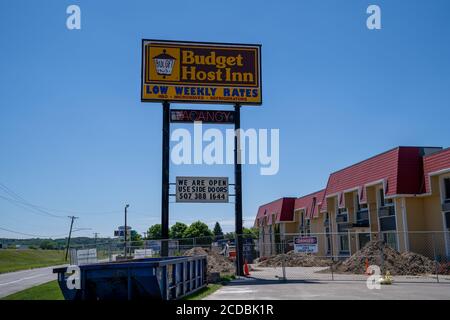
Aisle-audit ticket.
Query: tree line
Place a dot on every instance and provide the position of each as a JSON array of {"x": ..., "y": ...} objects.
[{"x": 196, "y": 229}]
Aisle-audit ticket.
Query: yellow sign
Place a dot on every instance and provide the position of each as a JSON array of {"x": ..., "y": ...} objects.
[{"x": 201, "y": 72}]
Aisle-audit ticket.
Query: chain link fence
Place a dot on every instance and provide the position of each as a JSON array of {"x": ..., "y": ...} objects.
[
  {"x": 352, "y": 256},
  {"x": 344, "y": 256}
]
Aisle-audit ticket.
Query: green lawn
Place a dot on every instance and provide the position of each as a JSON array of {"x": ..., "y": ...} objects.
[
  {"x": 51, "y": 291},
  {"x": 204, "y": 292},
  {"x": 46, "y": 291},
  {"x": 212, "y": 287},
  {"x": 14, "y": 260}
]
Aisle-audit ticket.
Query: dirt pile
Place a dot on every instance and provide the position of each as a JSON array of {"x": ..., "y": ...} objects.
[
  {"x": 216, "y": 262},
  {"x": 388, "y": 259},
  {"x": 294, "y": 259}
]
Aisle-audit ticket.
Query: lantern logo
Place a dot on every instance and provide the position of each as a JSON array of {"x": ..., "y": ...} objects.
[{"x": 164, "y": 64}]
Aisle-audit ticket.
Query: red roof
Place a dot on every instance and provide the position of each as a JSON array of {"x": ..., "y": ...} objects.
[
  {"x": 403, "y": 170},
  {"x": 435, "y": 162},
  {"x": 399, "y": 168},
  {"x": 282, "y": 208},
  {"x": 310, "y": 203}
]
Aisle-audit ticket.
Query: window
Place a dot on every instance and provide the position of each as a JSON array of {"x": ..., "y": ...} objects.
[
  {"x": 387, "y": 223},
  {"x": 391, "y": 239},
  {"x": 343, "y": 243},
  {"x": 446, "y": 190},
  {"x": 302, "y": 222},
  {"x": 328, "y": 243},
  {"x": 308, "y": 227},
  {"x": 358, "y": 205},
  {"x": 383, "y": 202},
  {"x": 362, "y": 213},
  {"x": 342, "y": 216},
  {"x": 447, "y": 220},
  {"x": 363, "y": 239},
  {"x": 342, "y": 228}
]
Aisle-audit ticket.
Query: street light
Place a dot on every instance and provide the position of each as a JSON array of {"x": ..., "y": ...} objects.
[{"x": 125, "y": 244}]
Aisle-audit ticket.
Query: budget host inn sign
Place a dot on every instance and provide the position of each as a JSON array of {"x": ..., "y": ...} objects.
[{"x": 201, "y": 72}]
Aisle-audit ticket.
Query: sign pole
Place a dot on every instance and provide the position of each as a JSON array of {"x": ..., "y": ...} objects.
[
  {"x": 238, "y": 191},
  {"x": 165, "y": 180}
]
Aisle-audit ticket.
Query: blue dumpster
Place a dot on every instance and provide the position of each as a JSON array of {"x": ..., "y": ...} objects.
[{"x": 166, "y": 278}]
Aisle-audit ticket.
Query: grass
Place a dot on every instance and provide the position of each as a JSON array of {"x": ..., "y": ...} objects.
[
  {"x": 209, "y": 289},
  {"x": 14, "y": 260},
  {"x": 46, "y": 291},
  {"x": 51, "y": 291},
  {"x": 204, "y": 292}
]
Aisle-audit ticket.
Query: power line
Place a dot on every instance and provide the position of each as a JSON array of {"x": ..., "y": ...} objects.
[
  {"x": 28, "y": 208},
  {"x": 17, "y": 199},
  {"x": 30, "y": 234}
]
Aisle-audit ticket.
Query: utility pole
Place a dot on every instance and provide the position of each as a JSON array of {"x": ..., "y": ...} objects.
[
  {"x": 95, "y": 237},
  {"x": 238, "y": 191},
  {"x": 165, "y": 180},
  {"x": 70, "y": 234},
  {"x": 126, "y": 231}
]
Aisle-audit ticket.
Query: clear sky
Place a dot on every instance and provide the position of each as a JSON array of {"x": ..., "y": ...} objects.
[{"x": 75, "y": 138}]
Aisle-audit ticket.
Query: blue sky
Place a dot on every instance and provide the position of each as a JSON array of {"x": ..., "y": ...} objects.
[{"x": 74, "y": 136}]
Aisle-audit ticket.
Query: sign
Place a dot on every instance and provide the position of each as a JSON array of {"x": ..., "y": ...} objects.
[
  {"x": 305, "y": 244},
  {"x": 143, "y": 253},
  {"x": 155, "y": 245},
  {"x": 121, "y": 232},
  {"x": 201, "y": 72},
  {"x": 86, "y": 256},
  {"x": 205, "y": 116},
  {"x": 202, "y": 189}
]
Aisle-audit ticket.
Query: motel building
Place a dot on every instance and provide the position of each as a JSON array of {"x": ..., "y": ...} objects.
[{"x": 401, "y": 196}]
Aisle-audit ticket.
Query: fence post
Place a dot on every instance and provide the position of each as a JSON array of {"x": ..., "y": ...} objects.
[
  {"x": 382, "y": 254},
  {"x": 435, "y": 258},
  {"x": 109, "y": 251},
  {"x": 283, "y": 266}
]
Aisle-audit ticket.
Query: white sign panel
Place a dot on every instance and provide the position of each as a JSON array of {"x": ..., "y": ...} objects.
[
  {"x": 306, "y": 245},
  {"x": 86, "y": 256},
  {"x": 143, "y": 253},
  {"x": 202, "y": 189}
]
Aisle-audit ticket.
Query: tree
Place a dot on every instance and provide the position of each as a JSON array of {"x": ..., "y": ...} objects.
[
  {"x": 200, "y": 230},
  {"x": 47, "y": 245},
  {"x": 246, "y": 233},
  {"x": 136, "y": 238},
  {"x": 218, "y": 230},
  {"x": 154, "y": 232},
  {"x": 251, "y": 233},
  {"x": 177, "y": 230},
  {"x": 229, "y": 235}
]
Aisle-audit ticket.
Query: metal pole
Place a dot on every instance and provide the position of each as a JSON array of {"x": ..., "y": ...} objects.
[
  {"x": 436, "y": 269},
  {"x": 165, "y": 180},
  {"x": 70, "y": 234},
  {"x": 125, "y": 232},
  {"x": 238, "y": 191}
]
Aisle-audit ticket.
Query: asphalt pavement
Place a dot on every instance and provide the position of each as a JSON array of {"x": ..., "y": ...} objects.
[
  {"x": 305, "y": 284},
  {"x": 12, "y": 282}
]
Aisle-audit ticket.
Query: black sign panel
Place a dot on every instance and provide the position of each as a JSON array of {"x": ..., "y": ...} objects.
[{"x": 205, "y": 116}]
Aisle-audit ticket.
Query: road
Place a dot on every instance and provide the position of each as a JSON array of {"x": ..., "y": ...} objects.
[
  {"x": 12, "y": 282},
  {"x": 265, "y": 284}
]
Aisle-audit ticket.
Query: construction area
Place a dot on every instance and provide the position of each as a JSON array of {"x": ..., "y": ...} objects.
[{"x": 299, "y": 266}]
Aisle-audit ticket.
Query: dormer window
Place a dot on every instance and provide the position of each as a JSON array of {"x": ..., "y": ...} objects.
[
  {"x": 447, "y": 190},
  {"x": 358, "y": 205},
  {"x": 383, "y": 202}
]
